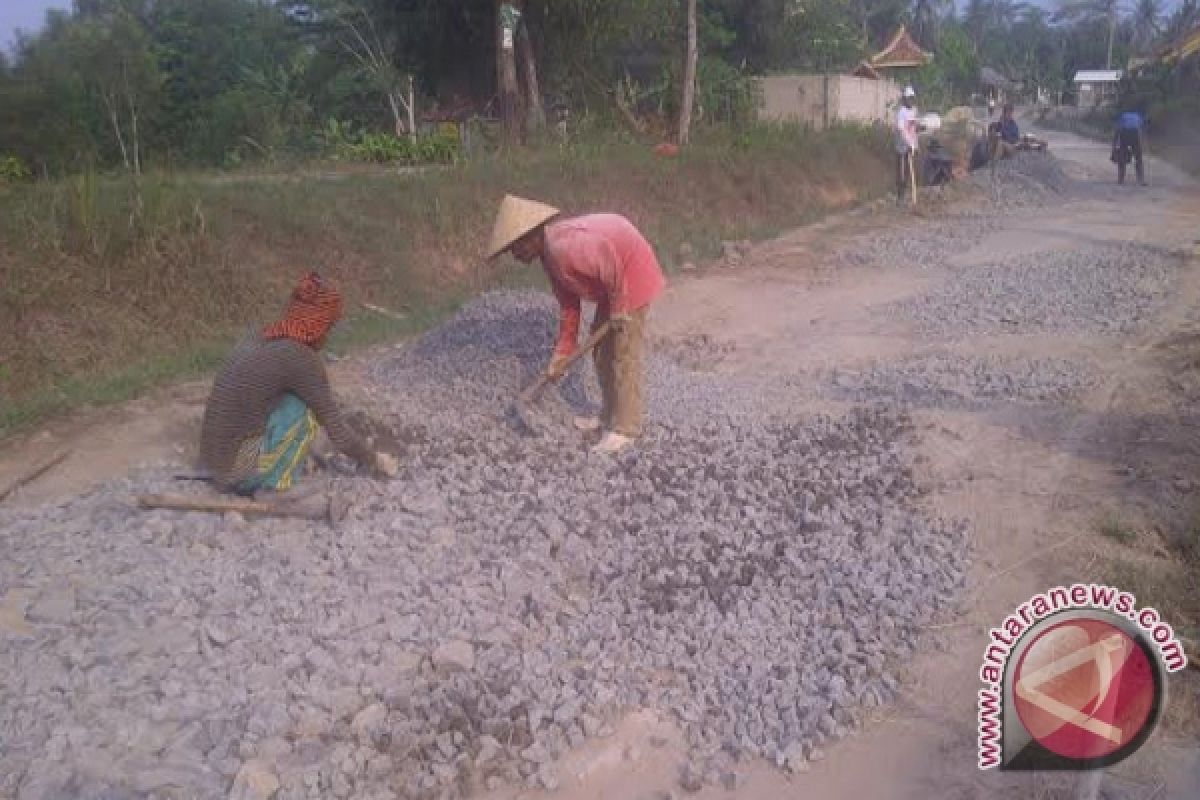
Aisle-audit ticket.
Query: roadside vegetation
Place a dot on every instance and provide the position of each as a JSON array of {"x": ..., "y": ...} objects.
[
  {"x": 1158, "y": 561},
  {"x": 115, "y": 284}
]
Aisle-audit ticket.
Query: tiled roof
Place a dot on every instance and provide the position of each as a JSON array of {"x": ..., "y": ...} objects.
[
  {"x": 865, "y": 70},
  {"x": 901, "y": 51}
]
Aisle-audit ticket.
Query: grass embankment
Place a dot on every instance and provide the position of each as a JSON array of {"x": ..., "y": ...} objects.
[
  {"x": 109, "y": 287},
  {"x": 1169, "y": 581}
]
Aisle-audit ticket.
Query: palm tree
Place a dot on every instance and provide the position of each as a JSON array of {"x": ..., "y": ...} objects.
[
  {"x": 1186, "y": 17},
  {"x": 1087, "y": 10},
  {"x": 1147, "y": 23},
  {"x": 927, "y": 18},
  {"x": 975, "y": 21}
]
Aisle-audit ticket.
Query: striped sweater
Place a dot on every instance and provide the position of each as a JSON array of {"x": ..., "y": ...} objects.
[{"x": 252, "y": 382}]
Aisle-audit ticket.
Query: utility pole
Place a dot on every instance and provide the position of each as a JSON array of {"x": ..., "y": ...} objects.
[{"x": 1112, "y": 30}]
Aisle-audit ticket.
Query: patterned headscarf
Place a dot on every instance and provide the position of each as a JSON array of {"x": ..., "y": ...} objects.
[{"x": 314, "y": 308}]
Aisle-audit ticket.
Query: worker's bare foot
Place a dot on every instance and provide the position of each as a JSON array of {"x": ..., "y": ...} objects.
[
  {"x": 587, "y": 424},
  {"x": 297, "y": 493},
  {"x": 613, "y": 443}
]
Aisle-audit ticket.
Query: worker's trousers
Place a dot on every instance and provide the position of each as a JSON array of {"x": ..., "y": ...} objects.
[
  {"x": 903, "y": 180},
  {"x": 1129, "y": 145},
  {"x": 619, "y": 369}
]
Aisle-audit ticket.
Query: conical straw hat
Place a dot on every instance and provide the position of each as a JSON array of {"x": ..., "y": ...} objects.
[{"x": 517, "y": 217}]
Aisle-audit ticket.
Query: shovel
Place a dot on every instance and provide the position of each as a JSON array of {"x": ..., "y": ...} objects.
[{"x": 522, "y": 409}]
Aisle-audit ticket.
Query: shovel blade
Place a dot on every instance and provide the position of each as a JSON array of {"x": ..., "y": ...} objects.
[{"x": 522, "y": 417}]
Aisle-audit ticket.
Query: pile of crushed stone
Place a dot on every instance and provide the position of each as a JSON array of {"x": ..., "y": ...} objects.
[
  {"x": 947, "y": 380},
  {"x": 1027, "y": 181},
  {"x": 1109, "y": 288},
  {"x": 758, "y": 577}
]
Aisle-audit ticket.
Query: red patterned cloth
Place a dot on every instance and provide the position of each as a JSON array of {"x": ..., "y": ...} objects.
[{"x": 314, "y": 308}]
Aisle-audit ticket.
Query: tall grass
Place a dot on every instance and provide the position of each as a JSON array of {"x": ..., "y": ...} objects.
[{"x": 110, "y": 285}]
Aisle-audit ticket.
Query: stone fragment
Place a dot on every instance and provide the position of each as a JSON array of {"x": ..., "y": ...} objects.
[
  {"x": 454, "y": 656},
  {"x": 254, "y": 781},
  {"x": 370, "y": 724},
  {"x": 55, "y": 605}
]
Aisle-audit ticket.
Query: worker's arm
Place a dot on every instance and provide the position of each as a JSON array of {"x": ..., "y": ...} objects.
[
  {"x": 309, "y": 382},
  {"x": 568, "y": 320}
]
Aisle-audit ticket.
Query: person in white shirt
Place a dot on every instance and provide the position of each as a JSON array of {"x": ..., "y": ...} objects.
[{"x": 905, "y": 140}]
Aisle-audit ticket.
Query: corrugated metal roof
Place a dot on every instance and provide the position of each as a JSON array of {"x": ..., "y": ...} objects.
[{"x": 1098, "y": 76}]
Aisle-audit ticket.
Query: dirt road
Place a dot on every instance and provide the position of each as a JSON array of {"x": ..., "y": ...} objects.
[
  {"x": 1047, "y": 397},
  {"x": 1035, "y": 481}
]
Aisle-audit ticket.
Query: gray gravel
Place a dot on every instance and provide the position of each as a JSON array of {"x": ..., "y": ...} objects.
[
  {"x": 760, "y": 577},
  {"x": 696, "y": 352},
  {"x": 1109, "y": 289},
  {"x": 947, "y": 380},
  {"x": 926, "y": 245},
  {"x": 1027, "y": 182}
]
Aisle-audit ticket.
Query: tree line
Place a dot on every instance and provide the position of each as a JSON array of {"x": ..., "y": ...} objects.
[{"x": 131, "y": 83}]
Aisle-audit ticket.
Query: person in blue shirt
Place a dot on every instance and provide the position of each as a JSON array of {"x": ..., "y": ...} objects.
[
  {"x": 1127, "y": 144},
  {"x": 1004, "y": 133}
]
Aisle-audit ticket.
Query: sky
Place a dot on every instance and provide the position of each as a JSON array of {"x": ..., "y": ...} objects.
[{"x": 24, "y": 14}]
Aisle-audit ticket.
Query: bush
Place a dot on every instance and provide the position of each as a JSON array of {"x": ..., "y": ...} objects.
[
  {"x": 727, "y": 94},
  {"x": 13, "y": 170},
  {"x": 386, "y": 148}
]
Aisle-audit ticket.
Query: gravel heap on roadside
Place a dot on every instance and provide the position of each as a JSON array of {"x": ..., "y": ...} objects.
[
  {"x": 760, "y": 578},
  {"x": 1110, "y": 289},
  {"x": 948, "y": 380},
  {"x": 929, "y": 244},
  {"x": 1025, "y": 181}
]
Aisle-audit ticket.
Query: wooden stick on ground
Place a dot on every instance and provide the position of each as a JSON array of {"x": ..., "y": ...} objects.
[
  {"x": 219, "y": 505},
  {"x": 33, "y": 474},
  {"x": 385, "y": 311}
]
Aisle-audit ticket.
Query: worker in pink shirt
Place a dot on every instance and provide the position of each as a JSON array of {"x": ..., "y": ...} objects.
[{"x": 601, "y": 258}]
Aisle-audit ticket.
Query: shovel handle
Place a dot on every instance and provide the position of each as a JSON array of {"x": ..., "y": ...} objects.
[
  {"x": 588, "y": 346},
  {"x": 176, "y": 502}
]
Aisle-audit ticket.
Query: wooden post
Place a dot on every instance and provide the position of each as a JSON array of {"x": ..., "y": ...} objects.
[
  {"x": 506, "y": 73},
  {"x": 536, "y": 113},
  {"x": 691, "y": 59}
]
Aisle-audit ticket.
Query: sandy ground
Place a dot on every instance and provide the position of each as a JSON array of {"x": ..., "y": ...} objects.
[{"x": 1030, "y": 486}]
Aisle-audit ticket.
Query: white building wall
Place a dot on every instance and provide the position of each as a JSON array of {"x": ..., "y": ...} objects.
[{"x": 813, "y": 99}]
